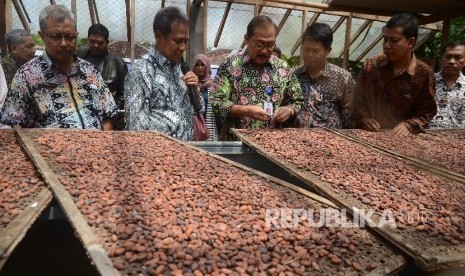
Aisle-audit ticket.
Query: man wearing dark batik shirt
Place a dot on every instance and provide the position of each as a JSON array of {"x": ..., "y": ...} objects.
[
  {"x": 396, "y": 90},
  {"x": 327, "y": 88},
  {"x": 58, "y": 90}
]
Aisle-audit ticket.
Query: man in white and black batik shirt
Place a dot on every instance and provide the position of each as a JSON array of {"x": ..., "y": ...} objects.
[
  {"x": 450, "y": 88},
  {"x": 156, "y": 90}
]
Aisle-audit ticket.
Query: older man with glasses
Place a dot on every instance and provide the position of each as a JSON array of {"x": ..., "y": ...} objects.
[
  {"x": 253, "y": 88},
  {"x": 58, "y": 90}
]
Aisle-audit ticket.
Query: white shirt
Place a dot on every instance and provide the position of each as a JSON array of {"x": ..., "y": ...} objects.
[{"x": 451, "y": 104}]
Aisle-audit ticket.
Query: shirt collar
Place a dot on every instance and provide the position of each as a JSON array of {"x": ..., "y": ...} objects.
[
  {"x": 460, "y": 80},
  {"x": 410, "y": 68},
  {"x": 161, "y": 59},
  {"x": 48, "y": 61}
]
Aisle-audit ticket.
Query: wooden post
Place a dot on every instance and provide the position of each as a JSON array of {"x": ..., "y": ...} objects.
[
  {"x": 223, "y": 21},
  {"x": 345, "y": 60},
  {"x": 3, "y": 23},
  {"x": 445, "y": 32},
  {"x": 74, "y": 9},
  {"x": 304, "y": 27},
  {"x": 20, "y": 13},
  {"x": 91, "y": 11},
  {"x": 133, "y": 16},
  {"x": 128, "y": 20}
]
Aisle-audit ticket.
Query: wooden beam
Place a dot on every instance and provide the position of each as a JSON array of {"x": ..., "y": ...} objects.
[
  {"x": 3, "y": 23},
  {"x": 52, "y": 2},
  {"x": 91, "y": 11},
  {"x": 295, "y": 6},
  {"x": 360, "y": 30},
  {"x": 133, "y": 24},
  {"x": 198, "y": 2},
  {"x": 338, "y": 24},
  {"x": 223, "y": 21},
  {"x": 345, "y": 60},
  {"x": 368, "y": 49},
  {"x": 128, "y": 20},
  {"x": 162, "y": 4},
  {"x": 25, "y": 11},
  {"x": 74, "y": 9},
  {"x": 304, "y": 26},
  {"x": 188, "y": 11},
  {"x": 96, "y": 11},
  {"x": 283, "y": 20},
  {"x": 438, "y": 17},
  {"x": 423, "y": 40},
  {"x": 445, "y": 32},
  {"x": 21, "y": 16}
]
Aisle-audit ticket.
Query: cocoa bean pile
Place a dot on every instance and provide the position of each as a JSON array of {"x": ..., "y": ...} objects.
[
  {"x": 439, "y": 150},
  {"x": 418, "y": 199},
  {"x": 457, "y": 134},
  {"x": 19, "y": 180},
  {"x": 166, "y": 208}
]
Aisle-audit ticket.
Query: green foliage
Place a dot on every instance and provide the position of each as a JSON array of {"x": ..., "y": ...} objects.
[
  {"x": 81, "y": 41},
  {"x": 37, "y": 39},
  {"x": 293, "y": 61},
  {"x": 431, "y": 49}
]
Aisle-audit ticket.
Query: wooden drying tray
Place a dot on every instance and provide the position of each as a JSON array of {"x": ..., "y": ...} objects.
[
  {"x": 88, "y": 239},
  {"x": 408, "y": 159},
  {"x": 433, "y": 259},
  {"x": 391, "y": 265},
  {"x": 15, "y": 231}
]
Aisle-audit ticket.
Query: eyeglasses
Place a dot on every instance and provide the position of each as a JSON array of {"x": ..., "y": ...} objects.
[
  {"x": 70, "y": 38},
  {"x": 260, "y": 46}
]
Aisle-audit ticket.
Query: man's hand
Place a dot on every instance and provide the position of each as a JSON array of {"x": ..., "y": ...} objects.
[
  {"x": 257, "y": 113},
  {"x": 370, "y": 124},
  {"x": 401, "y": 130},
  {"x": 191, "y": 79},
  {"x": 283, "y": 114}
]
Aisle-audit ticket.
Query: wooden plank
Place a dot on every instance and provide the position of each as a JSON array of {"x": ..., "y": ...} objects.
[
  {"x": 94, "y": 4},
  {"x": 358, "y": 33},
  {"x": 428, "y": 261},
  {"x": 133, "y": 30},
  {"x": 223, "y": 21},
  {"x": 91, "y": 11},
  {"x": 338, "y": 24},
  {"x": 24, "y": 10},
  {"x": 21, "y": 16},
  {"x": 368, "y": 49},
  {"x": 408, "y": 159},
  {"x": 3, "y": 23},
  {"x": 345, "y": 60},
  {"x": 85, "y": 233},
  {"x": 15, "y": 231},
  {"x": 128, "y": 21},
  {"x": 283, "y": 21},
  {"x": 163, "y": 4},
  {"x": 304, "y": 26}
]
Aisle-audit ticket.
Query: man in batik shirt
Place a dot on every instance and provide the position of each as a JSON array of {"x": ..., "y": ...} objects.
[
  {"x": 58, "y": 90},
  {"x": 157, "y": 96},
  {"x": 450, "y": 88},
  {"x": 253, "y": 79},
  {"x": 395, "y": 90},
  {"x": 21, "y": 49},
  {"x": 327, "y": 88}
]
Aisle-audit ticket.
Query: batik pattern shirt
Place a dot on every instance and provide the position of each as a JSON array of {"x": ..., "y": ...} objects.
[
  {"x": 390, "y": 99},
  {"x": 156, "y": 98},
  {"x": 237, "y": 82},
  {"x": 42, "y": 96},
  {"x": 451, "y": 104},
  {"x": 10, "y": 66},
  {"x": 327, "y": 98}
]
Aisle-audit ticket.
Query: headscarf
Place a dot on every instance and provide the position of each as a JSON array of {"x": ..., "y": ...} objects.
[{"x": 206, "y": 81}]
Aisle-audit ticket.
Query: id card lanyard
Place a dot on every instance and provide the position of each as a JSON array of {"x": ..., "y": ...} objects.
[{"x": 268, "y": 106}]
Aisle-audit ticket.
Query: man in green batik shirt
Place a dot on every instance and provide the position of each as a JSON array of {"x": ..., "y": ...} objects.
[{"x": 254, "y": 89}]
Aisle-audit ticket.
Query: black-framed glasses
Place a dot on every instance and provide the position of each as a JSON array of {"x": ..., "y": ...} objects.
[
  {"x": 70, "y": 38},
  {"x": 260, "y": 46}
]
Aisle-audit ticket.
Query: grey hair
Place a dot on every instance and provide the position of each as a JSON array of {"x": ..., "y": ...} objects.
[
  {"x": 57, "y": 13},
  {"x": 15, "y": 37}
]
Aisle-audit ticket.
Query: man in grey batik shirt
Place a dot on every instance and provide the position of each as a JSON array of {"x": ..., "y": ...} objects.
[{"x": 156, "y": 90}]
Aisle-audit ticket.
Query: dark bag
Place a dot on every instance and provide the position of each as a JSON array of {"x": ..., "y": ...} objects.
[{"x": 201, "y": 132}]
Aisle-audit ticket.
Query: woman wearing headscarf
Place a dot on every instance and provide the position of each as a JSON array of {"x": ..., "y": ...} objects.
[{"x": 202, "y": 68}]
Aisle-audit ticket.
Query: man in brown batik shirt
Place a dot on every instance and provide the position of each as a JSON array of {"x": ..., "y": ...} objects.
[{"x": 395, "y": 90}]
